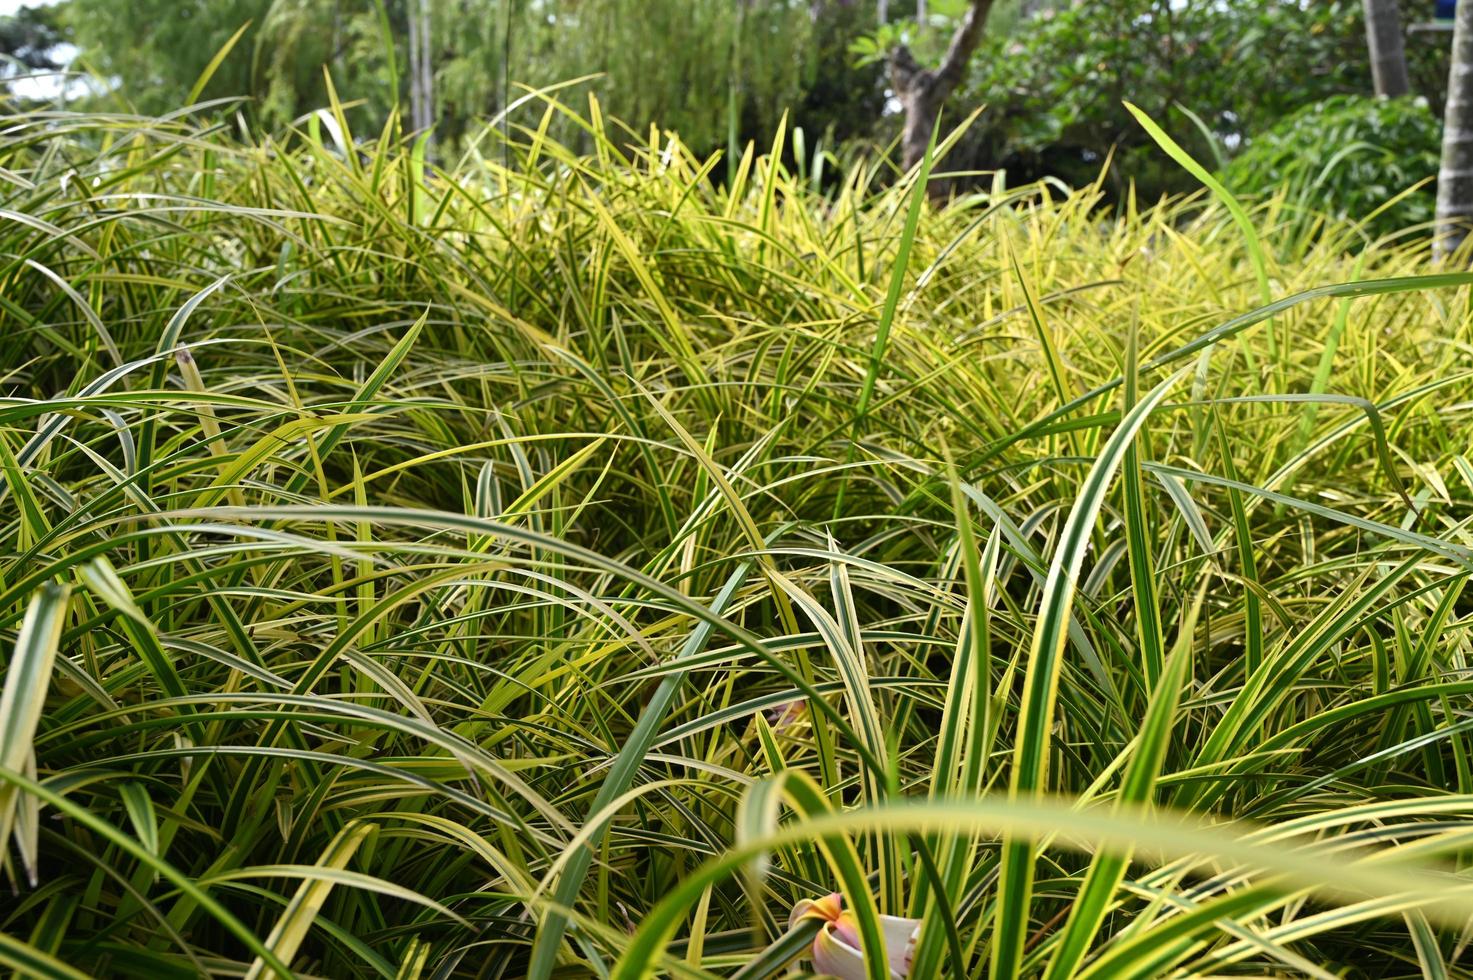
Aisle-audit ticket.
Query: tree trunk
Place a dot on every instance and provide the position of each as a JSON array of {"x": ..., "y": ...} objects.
[
  {"x": 414, "y": 107},
  {"x": 1455, "y": 177},
  {"x": 1388, "y": 52},
  {"x": 426, "y": 65},
  {"x": 922, "y": 106},
  {"x": 421, "y": 74},
  {"x": 923, "y": 91}
]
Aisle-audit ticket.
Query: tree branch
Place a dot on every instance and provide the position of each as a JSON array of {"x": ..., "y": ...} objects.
[
  {"x": 922, "y": 91},
  {"x": 905, "y": 72},
  {"x": 968, "y": 35}
]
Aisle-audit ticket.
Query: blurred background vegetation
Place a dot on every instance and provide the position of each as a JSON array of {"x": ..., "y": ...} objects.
[{"x": 1051, "y": 73}]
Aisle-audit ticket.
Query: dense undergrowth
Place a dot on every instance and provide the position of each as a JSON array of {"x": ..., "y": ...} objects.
[{"x": 410, "y": 575}]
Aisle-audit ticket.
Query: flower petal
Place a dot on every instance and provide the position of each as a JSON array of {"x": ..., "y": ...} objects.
[
  {"x": 834, "y": 957},
  {"x": 799, "y": 911},
  {"x": 901, "y": 935},
  {"x": 785, "y": 715},
  {"x": 827, "y": 908},
  {"x": 846, "y": 930}
]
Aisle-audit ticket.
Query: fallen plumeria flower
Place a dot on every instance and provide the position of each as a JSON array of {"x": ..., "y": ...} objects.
[
  {"x": 785, "y": 715},
  {"x": 836, "y": 948}
]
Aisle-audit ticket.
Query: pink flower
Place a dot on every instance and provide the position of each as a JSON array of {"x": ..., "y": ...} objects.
[
  {"x": 785, "y": 715},
  {"x": 836, "y": 948}
]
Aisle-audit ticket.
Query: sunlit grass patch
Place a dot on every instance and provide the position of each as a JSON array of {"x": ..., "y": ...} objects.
[{"x": 565, "y": 564}]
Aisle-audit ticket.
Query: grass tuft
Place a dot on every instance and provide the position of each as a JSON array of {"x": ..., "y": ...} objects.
[{"x": 562, "y": 564}]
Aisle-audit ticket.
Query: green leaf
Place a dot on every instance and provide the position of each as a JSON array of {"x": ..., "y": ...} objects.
[
  {"x": 22, "y": 701},
  {"x": 1040, "y": 690}
]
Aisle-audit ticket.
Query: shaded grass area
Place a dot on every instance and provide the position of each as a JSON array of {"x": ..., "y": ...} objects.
[{"x": 469, "y": 574}]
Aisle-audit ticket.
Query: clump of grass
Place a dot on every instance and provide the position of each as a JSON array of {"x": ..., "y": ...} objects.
[{"x": 536, "y": 568}]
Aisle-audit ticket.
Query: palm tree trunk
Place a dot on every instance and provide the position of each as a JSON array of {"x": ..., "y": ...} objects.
[
  {"x": 1387, "y": 48},
  {"x": 426, "y": 66},
  {"x": 421, "y": 80},
  {"x": 415, "y": 110},
  {"x": 1455, "y": 177}
]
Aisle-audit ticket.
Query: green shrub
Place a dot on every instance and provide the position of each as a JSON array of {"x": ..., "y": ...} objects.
[
  {"x": 1054, "y": 84},
  {"x": 1347, "y": 156},
  {"x": 394, "y": 564}
]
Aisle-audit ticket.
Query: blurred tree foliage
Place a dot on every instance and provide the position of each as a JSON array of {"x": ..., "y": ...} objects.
[
  {"x": 671, "y": 62},
  {"x": 29, "y": 39},
  {"x": 155, "y": 49},
  {"x": 1053, "y": 73},
  {"x": 1054, "y": 85}
]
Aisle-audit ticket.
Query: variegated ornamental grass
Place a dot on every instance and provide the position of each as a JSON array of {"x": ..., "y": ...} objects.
[{"x": 564, "y": 564}]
